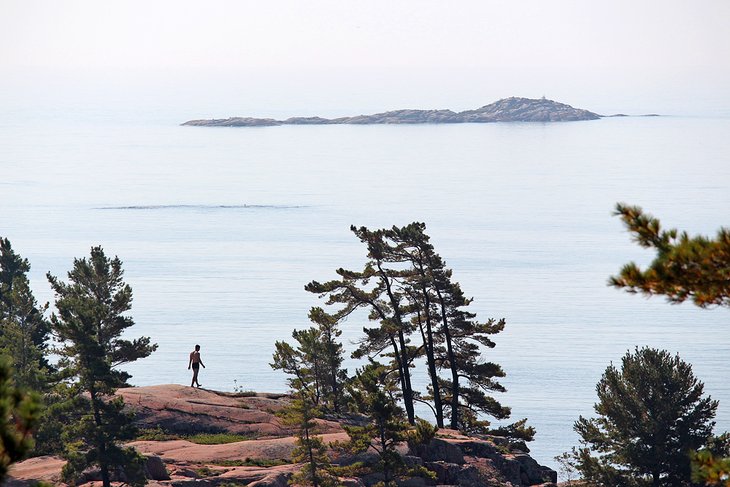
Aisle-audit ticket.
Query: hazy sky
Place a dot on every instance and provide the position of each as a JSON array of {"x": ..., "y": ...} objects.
[{"x": 535, "y": 45}]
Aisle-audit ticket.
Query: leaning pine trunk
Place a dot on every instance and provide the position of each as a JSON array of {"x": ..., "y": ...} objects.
[
  {"x": 430, "y": 356},
  {"x": 452, "y": 364}
]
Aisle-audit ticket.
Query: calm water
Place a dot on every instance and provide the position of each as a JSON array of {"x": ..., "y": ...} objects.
[{"x": 219, "y": 230}]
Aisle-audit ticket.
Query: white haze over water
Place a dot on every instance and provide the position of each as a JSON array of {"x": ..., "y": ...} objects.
[
  {"x": 333, "y": 57},
  {"x": 219, "y": 229}
]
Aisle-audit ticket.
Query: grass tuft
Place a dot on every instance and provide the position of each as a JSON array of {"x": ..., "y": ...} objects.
[
  {"x": 251, "y": 462},
  {"x": 217, "y": 438},
  {"x": 156, "y": 434}
]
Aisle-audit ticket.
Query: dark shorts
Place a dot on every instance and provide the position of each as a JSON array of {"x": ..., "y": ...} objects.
[{"x": 196, "y": 366}]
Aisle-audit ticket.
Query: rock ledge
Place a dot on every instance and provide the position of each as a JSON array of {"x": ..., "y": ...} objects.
[{"x": 179, "y": 411}]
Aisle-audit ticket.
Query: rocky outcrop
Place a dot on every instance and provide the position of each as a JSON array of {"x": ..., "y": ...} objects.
[
  {"x": 186, "y": 410},
  {"x": 506, "y": 110},
  {"x": 34, "y": 470},
  {"x": 264, "y": 449},
  {"x": 466, "y": 461},
  {"x": 262, "y": 460}
]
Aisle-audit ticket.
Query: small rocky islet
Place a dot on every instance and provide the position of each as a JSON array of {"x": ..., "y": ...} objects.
[
  {"x": 511, "y": 109},
  {"x": 262, "y": 458}
]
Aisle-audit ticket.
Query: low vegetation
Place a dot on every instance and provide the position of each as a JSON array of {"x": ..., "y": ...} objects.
[
  {"x": 251, "y": 462},
  {"x": 158, "y": 434},
  {"x": 217, "y": 438}
]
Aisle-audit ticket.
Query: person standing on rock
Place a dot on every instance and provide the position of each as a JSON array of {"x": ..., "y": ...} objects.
[{"x": 195, "y": 362}]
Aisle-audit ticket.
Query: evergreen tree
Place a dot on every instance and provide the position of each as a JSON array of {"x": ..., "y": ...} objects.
[
  {"x": 408, "y": 290},
  {"x": 452, "y": 338},
  {"x": 711, "y": 464},
  {"x": 89, "y": 323},
  {"x": 466, "y": 401},
  {"x": 696, "y": 268},
  {"x": 12, "y": 265},
  {"x": 651, "y": 415},
  {"x": 711, "y": 469},
  {"x": 19, "y": 413},
  {"x": 375, "y": 289},
  {"x": 410, "y": 245},
  {"x": 310, "y": 449},
  {"x": 59, "y": 410},
  {"x": 334, "y": 376},
  {"x": 315, "y": 366},
  {"x": 385, "y": 425},
  {"x": 23, "y": 329}
]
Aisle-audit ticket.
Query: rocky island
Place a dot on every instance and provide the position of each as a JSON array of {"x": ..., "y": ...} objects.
[
  {"x": 197, "y": 437},
  {"x": 506, "y": 110}
]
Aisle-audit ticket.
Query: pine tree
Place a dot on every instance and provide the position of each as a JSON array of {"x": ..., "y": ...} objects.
[
  {"x": 334, "y": 376},
  {"x": 23, "y": 329},
  {"x": 385, "y": 425},
  {"x": 410, "y": 245},
  {"x": 310, "y": 449},
  {"x": 467, "y": 401},
  {"x": 710, "y": 469},
  {"x": 386, "y": 305},
  {"x": 89, "y": 323},
  {"x": 315, "y": 366},
  {"x": 12, "y": 265},
  {"x": 19, "y": 413},
  {"x": 696, "y": 268},
  {"x": 408, "y": 290},
  {"x": 452, "y": 338},
  {"x": 651, "y": 415},
  {"x": 711, "y": 464}
]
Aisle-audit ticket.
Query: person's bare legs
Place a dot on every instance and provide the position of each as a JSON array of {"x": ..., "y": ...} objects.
[{"x": 195, "y": 362}]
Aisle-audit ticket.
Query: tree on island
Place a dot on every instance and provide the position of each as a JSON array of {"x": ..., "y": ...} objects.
[
  {"x": 24, "y": 331},
  {"x": 89, "y": 323},
  {"x": 651, "y": 413},
  {"x": 19, "y": 413},
  {"x": 696, "y": 268}
]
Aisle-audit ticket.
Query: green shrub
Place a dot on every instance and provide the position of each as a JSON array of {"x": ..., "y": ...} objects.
[
  {"x": 252, "y": 462},
  {"x": 207, "y": 472},
  {"x": 423, "y": 433},
  {"x": 357, "y": 469},
  {"x": 156, "y": 434},
  {"x": 217, "y": 438}
]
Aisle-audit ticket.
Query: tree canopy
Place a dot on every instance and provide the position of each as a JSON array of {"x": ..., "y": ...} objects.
[
  {"x": 89, "y": 322},
  {"x": 24, "y": 331},
  {"x": 19, "y": 413},
  {"x": 685, "y": 267},
  {"x": 315, "y": 365},
  {"x": 651, "y": 413},
  {"x": 420, "y": 315}
]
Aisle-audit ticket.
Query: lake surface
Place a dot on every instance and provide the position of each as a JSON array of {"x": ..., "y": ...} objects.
[{"x": 219, "y": 230}]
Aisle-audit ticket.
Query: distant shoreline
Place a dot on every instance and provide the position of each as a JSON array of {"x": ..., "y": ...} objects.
[{"x": 505, "y": 110}]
